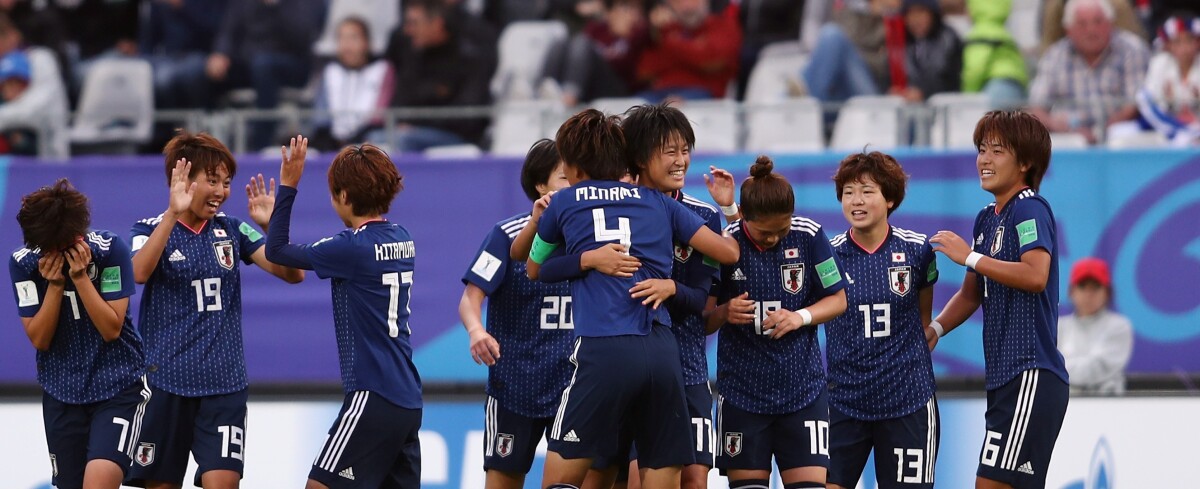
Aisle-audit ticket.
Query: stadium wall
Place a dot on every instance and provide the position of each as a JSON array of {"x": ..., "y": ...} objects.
[{"x": 1137, "y": 209}]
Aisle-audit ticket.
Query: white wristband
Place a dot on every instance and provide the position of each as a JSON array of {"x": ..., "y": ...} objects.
[
  {"x": 730, "y": 210},
  {"x": 973, "y": 259},
  {"x": 805, "y": 316},
  {"x": 937, "y": 327}
]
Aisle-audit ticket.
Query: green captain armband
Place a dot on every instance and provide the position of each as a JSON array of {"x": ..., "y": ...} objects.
[{"x": 541, "y": 250}]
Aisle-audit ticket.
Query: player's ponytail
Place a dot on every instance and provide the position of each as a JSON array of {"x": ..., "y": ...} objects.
[
  {"x": 53, "y": 217},
  {"x": 766, "y": 193}
]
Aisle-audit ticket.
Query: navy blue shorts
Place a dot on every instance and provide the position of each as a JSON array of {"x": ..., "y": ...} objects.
[
  {"x": 906, "y": 447},
  {"x": 1023, "y": 420},
  {"x": 748, "y": 440},
  {"x": 510, "y": 440},
  {"x": 211, "y": 428},
  {"x": 105, "y": 430},
  {"x": 625, "y": 384},
  {"x": 700, "y": 401},
  {"x": 373, "y": 443}
]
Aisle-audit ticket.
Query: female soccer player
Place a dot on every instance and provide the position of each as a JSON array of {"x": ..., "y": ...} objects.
[
  {"x": 191, "y": 316},
  {"x": 880, "y": 373},
  {"x": 1012, "y": 271},
  {"x": 530, "y": 322},
  {"x": 374, "y": 441},
  {"x": 769, "y": 370},
  {"x": 628, "y": 373},
  {"x": 72, "y": 289}
]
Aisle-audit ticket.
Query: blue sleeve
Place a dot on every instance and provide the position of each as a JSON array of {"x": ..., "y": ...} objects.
[
  {"x": 1034, "y": 225},
  {"x": 826, "y": 269},
  {"x": 691, "y": 293},
  {"x": 28, "y": 291},
  {"x": 972, "y": 240},
  {"x": 927, "y": 271},
  {"x": 549, "y": 229},
  {"x": 332, "y": 257},
  {"x": 279, "y": 248},
  {"x": 684, "y": 222},
  {"x": 139, "y": 234},
  {"x": 490, "y": 266},
  {"x": 116, "y": 270},
  {"x": 249, "y": 239},
  {"x": 689, "y": 299},
  {"x": 562, "y": 267},
  {"x": 722, "y": 287}
]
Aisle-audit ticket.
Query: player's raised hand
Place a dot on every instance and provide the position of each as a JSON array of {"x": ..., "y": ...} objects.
[
  {"x": 50, "y": 266},
  {"x": 720, "y": 186},
  {"x": 655, "y": 291},
  {"x": 260, "y": 199},
  {"x": 611, "y": 259},
  {"x": 293, "y": 161},
  {"x": 951, "y": 245},
  {"x": 931, "y": 338},
  {"x": 78, "y": 257},
  {"x": 539, "y": 206},
  {"x": 484, "y": 348},
  {"x": 741, "y": 310},
  {"x": 182, "y": 188},
  {"x": 781, "y": 322}
]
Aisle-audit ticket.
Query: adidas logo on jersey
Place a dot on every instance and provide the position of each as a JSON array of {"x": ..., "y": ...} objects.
[
  {"x": 738, "y": 275},
  {"x": 570, "y": 436},
  {"x": 176, "y": 256},
  {"x": 348, "y": 473},
  {"x": 1026, "y": 468}
]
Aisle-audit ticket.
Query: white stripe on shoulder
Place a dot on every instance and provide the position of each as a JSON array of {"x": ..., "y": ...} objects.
[
  {"x": 100, "y": 241},
  {"x": 805, "y": 220},
  {"x": 734, "y": 226},
  {"x": 909, "y": 236},
  {"x": 1026, "y": 194},
  {"x": 518, "y": 223},
  {"x": 515, "y": 227},
  {"x": 697, "y": 202},
  {"x": 153, "y": 221},
  {"x": 838, "y": 240},
  {"x": 20, "y": 254}
]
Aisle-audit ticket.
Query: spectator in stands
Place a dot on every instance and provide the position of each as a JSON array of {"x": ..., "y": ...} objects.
[
  {"x": 42, "y": 105},
  {"x": 693, "y": 53},
  {"x": 474, "y": 27},
  {"x": 1054, "y": 28},
  {"x": 437, "y": 67},
  {"x": 266, "y": 45},
  {"x": 1088, "y": 81},
  {"x": 851, "y": 56},
  {"x": 933, "y": 53},
  {"x": 14, "y": 81},
  {"x": 992, "y": 61},
  {"x": 500, "y": 13},
  {"x": 97, "y": 29},
  {"x": 40, "y": 24},
  {"x": 1095, "y": 341},
  {"x": 176, "y": 38},
  {"x": 765, "y": 22},
  {"x": 602, "y": 60},
  {"x": 354, "y": 89},
  {"x": 1170, "y": 100}
]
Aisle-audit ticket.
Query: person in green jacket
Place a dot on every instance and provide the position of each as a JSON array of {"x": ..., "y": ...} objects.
[{"x": 992, "y": 62}]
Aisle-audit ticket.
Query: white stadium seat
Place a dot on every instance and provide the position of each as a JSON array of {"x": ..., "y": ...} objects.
[
  {"x": 1067, "y": 140},
  {"x": 116, "y": 104},
  {"x": 617, "y": 105},
  {"x": 775, "y": 77},
  {"x": 523, "y": 49},
  {"x": 954, "y": 118},
  {"x": 786, "y": 126},
  {"x": 518, "y": 124},
  {"x": 382, "y": 17},
  {"x": 715, "y": 123},
  {"x": 868, "y": 122}
]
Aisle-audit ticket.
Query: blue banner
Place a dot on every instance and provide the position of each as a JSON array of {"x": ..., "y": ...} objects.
[{"x": 1136, "y": 209}]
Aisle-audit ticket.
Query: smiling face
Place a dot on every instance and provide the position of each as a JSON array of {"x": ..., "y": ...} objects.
[
  {"x": 212, "y": 188},
  {"x": 556, "y": 182},
  {"x": 864, "y": 205},
  {"x": 999, "y": 172},
  {"x": 667, "y": 168}
]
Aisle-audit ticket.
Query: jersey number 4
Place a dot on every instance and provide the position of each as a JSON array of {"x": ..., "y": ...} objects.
[{"x": 621, "y": 233}]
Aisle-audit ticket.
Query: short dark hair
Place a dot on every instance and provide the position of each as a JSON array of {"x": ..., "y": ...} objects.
[
  {"x": 594, "y": 143},
  {"x": 539, "y": 164},
  {"x": 881, "y": 167},
  {"x": 766, "y": 193},
  {"x": 434, "y": 8},
  {"x": 650, "y": 127},
  {"x": 205, "y": 152},
  {"x": 1024, "y": 135},
  {"x": 368, "y": 176},
  {"x": 53, "y": 218}
]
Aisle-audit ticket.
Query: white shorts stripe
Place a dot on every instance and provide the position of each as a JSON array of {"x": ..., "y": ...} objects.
[
  {"x": 931, "y": 447},
  {"x": 337, "y": 443},
  {"x": 720, "y": 422},
  {"x": 1019, "y": 421},
  {"x": 136, "y": 430},
  {"x": 489, "y": 426},
  {"x": 1028, "y": 415},
  {"x": 556, "y": 430}
]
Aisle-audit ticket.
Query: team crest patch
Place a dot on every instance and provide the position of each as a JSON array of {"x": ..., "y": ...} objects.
[
  {"x": 145, "y": 454},
  {"x": 733, "y": 444},
  {"x": 900, "y": 280},
  {"x": 504, "y": 444},
  {"x": 793, "y": 277},
  {"x": 997, "y": 241},
  {"x": 224, "y": 251},
  {"x": 682, "y": 253},
  {"x": 220, "y": 233}
]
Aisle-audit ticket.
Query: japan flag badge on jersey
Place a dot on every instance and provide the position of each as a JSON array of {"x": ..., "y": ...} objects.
[
  {"x": 898, "y": 257},
  {"x": 220, "y": 233},
  {"x": 791, "y": 253}
]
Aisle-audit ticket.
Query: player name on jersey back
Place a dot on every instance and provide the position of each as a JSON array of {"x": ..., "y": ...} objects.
[
  {"x": 399, "y": 250},
  {"x": 600, "y": 193}
]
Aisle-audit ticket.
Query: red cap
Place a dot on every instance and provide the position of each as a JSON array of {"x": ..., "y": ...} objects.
[{"x": 1090, "y": 269}]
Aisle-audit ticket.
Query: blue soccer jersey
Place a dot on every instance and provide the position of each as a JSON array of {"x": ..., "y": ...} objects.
[
  {"x": 697, "y": 271},
  {"x": 531, "y": 320},
  {"x": 191, "y": 311},
  {"x": 879, "y": 364},
  {"x": 593, "y": 213},
  {"x": 775, "y": 376},
  {"x": 80, "y": 367},
  {"x": 1020, "y": 329},
  {"x": 371, "y": 269}
]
